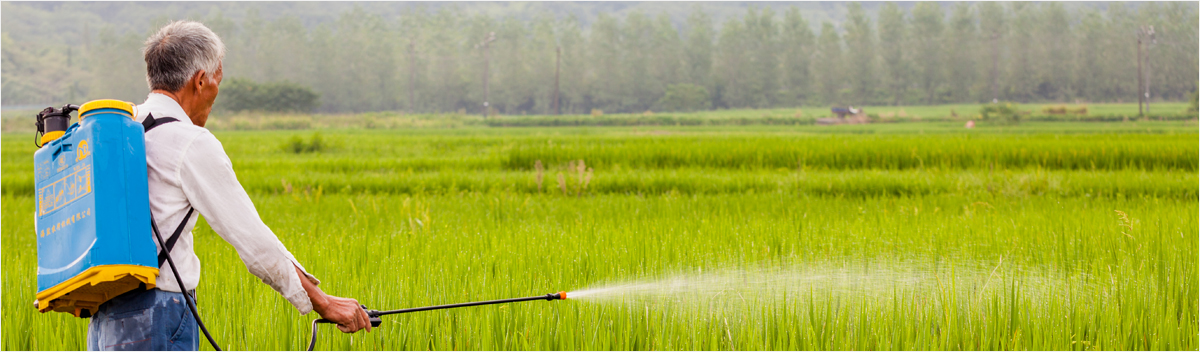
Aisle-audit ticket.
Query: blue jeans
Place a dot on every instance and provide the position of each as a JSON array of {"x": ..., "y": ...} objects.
[{"x": 144, "y": 320}]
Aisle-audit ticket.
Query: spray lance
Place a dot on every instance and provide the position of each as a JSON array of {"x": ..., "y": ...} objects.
[{"x": 375, "y": 314}]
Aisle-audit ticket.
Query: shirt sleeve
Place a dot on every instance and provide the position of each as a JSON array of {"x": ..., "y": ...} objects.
[{"x": 208, "y": 181}]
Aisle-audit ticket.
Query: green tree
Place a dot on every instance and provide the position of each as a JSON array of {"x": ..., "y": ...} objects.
[
  {"x": 1090, "y": 31},
  {"x": 796, "y": 44},
  {"x": 667, "y": 55},
  {"x": 860, "y": 55},
  {"x": 993, "y": 26},
  {"x": 1052, "y": 53},
  {"x": 763, "y": 83},
  {"x": 118, "y": 68},
  {"x": 1022, "y": 82},
  {"x": 572, "y": 85},
  {"x": 961, "y": 41},
  {"x": 927, "y": 48},
  {"x": 894, "y": 52},
  {"x": 605, "y": 62},
  {"x": 698, "y": 50},
  {"x": 731, "y": 66},
  {"x": 684, "y": 97},
  {"x": 827, "y": 65}
]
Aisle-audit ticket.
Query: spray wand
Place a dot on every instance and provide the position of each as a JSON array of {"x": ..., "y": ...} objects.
[{"x": 375, "y": 314}]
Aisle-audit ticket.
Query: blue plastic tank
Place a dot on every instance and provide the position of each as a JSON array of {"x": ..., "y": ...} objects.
[{"x": 93, "y": 212}]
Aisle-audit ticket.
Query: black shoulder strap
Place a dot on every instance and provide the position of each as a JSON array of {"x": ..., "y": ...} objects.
[
  {"x": 150, "y": 122},
  {"x": 162, "y": 255}
]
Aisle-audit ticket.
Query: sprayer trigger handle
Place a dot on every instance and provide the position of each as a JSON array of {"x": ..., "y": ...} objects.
[{"x": 372, "y": 315}]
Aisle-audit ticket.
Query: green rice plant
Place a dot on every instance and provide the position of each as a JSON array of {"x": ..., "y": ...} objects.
[
  {"x": 758, "y": 272},
  {"x": 919, "y": 236}
]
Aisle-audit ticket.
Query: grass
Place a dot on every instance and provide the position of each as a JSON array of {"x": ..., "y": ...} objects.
[{"x": 856, "y": 248}]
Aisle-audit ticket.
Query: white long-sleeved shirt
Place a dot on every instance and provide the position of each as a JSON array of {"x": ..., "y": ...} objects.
[{"x": 188, "y": 167}]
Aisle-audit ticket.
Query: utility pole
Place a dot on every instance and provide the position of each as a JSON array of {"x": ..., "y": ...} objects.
[
  {"x": 995, "y": 67},
  {"x": 412, "y": 74},
  {"x": 557, "y": 65},
  {"x": 1148, "y": 75},
  {"x": 487, "y": 58},
  {"x": 1139, "y": 71}
]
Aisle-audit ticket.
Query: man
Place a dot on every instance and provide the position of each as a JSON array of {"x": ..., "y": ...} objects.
[{"x": 188, "y": 169}]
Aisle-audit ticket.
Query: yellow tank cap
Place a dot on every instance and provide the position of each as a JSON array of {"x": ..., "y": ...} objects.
[
  {"x": 105, "y": 104},
  {"x": 50, "y": 136}
]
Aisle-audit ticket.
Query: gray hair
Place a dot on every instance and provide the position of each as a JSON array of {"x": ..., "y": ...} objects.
[{"x": 178, "y": 51}]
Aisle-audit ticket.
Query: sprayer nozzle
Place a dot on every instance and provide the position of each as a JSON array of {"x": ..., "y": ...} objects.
[
  {"x": 554, "y": 296},
  {"x": 562, "y": 295}
]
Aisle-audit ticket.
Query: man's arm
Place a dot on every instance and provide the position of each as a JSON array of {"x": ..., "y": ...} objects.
[
  {"x": 346, "y": 312},
  {"x": 208, "y": 181}
]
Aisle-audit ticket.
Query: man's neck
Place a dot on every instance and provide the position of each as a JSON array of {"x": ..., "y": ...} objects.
[{"x": 169, "y": 95}]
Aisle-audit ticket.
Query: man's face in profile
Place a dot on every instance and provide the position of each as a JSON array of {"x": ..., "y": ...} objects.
[{"x": 208, "y": 94}]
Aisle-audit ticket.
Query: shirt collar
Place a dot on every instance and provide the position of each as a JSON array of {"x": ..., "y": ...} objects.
[{"x": 162, "y": 106}]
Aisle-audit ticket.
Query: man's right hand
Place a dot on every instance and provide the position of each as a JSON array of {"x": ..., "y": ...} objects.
[{"x": 345, "y": 312}]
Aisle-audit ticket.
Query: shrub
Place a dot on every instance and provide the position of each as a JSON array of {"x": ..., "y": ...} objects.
[
  {"x": 1000, "y": 112},
  {"x": 245, "y": 95},
  {"x": 297, "y": 145},
  {"x": 1195, "y": 106}
]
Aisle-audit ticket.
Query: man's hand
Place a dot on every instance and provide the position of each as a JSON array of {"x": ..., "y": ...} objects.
[{"x": 345, "y": 312}]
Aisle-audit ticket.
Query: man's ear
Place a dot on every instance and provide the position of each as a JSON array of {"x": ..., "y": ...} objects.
[{"x": 199, "y": 80}]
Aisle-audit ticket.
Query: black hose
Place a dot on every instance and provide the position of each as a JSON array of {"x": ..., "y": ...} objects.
[
  {"x": 312, "y": 342},
  {"x": 187, "y": 297}
]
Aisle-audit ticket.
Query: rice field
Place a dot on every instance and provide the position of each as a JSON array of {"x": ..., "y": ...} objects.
[{"x": 922, "y": 236}]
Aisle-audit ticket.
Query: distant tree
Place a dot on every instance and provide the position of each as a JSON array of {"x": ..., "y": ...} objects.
[
  {"x": 894, "y": 52},
  {"x": 640, "y": 88},
  {"x": 1052, "y": 52},
  {"x": 512, "y": 77},
  {"x": 796, "y": 42},
  {"x": 698, "y": 50},
  {"x": 827, "y": 65},
  {"x": 731, "y": 66},
  {"x": 667, "y": 55},
  {"x": 574, "y": 66},
  {"x": 993, "y": 26},
  {"x": 928, "y": 49},
  {"x": 118, "y": 69},
  {"x": 605, "y": 62},
  {"x": 860, "y": 55},
  {"x": 961, "y": 39},
  {"x": 1021, "y": 83},
  {"x": 1088, "y": 34}
]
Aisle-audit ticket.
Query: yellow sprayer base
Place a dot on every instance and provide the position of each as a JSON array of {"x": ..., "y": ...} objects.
[{"x": 82, "y": 295}]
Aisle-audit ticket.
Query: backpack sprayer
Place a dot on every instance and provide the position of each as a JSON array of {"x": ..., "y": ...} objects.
[
  {"x": 93, "y": 205},
  {"x": 93, "y": 208}
]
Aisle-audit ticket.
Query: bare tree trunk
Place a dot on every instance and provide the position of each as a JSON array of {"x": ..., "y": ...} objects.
[
  {"x": 995, "y": 68},
  {"x": 412, "y": 75},
  {"x": 557, "y": 65},
  {"x": 1139, "y": 75},
  {"x": 487, "y": 58}
]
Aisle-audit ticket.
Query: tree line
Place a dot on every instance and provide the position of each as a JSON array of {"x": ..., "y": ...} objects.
[{"x": 434, "y": 61}]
